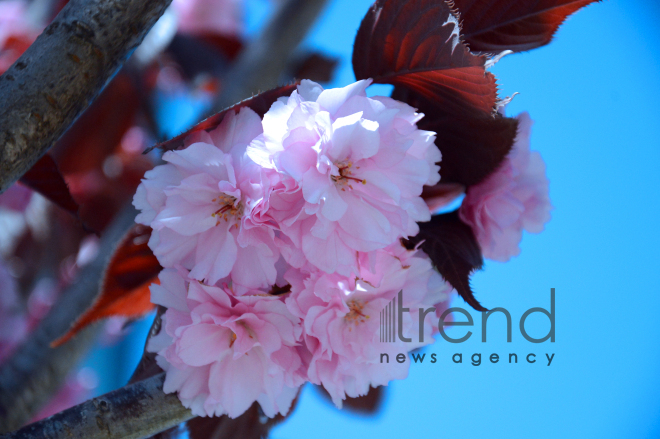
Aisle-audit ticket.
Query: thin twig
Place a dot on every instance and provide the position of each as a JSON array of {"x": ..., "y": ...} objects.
[
  {"x": 135, "y": 411},
  {"x": 35, "y": 371},
  {"x": 59, "y": 75},
  {"x": 261, "y": 64}
]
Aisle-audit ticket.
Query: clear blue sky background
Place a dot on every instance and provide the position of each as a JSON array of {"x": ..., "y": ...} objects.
[{"x": 593, "y": 93}]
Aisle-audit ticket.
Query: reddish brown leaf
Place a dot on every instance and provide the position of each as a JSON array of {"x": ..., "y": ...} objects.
[
  {"x": 316, "y": 66},
  {"x": 454, "y": 251},
  {"x": 98, "y": 131},
  {"x": 100, "y": 163},
  {"x": 368, "y": 404},
  {"x": 260, "y": 104},
  {"x": 195, "y": 55},
  {"x": 228, "y": 45},
  {"x": 472, "y": 147},
  {"x": 416, "y": 44},
  {"x": 473, "y": 144},
  {"x": 125, "y": 287},
  {"x": 252, "y": 424},
  {"x": 496, "y": 25},
  {"x": 44, "y": 177}
]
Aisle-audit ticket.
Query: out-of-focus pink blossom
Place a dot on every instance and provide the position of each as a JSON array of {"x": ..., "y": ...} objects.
[
  {"x": 16, "y": 33},
  {"x": 513, "y": 198},
  {"x": 223, "y": 17},
  {"x": 342, "y": 324},
  {"x": 223, "y": 352},
  {"x": 200, "y": 204},
  {"x": 41, "y": 300},
  {"x": 16, "y": 198},
  {"x": 351, "y": 168}
]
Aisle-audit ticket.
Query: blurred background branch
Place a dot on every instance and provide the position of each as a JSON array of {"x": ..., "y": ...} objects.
[
  {"x": 35, "y": 371},
  {"x": 260, "y": 65}
]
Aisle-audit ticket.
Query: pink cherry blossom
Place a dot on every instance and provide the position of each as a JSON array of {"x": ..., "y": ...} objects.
[
  {"x": 341, "y": 318},
  {"x": 200, "y": 204},
  {"x": 223, "y": 352},
  {"x": 513, "y": 198},
  {"x": 357, "y": 166}
]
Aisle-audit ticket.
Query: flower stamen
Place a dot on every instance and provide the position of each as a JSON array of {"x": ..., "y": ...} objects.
[
  {"x": 345, "y": 175},
  {"x": 356, "y": 313},
  {"x": 229, "y": 208}
]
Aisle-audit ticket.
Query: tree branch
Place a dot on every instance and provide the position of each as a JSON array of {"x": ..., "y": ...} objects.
[
  {"x": 36, "y": 108},
  {"x": 135, "y": 411},
  {"x": 62, "y": 72},
  {"x": 261, "y": 64},
  {"x": 36, "y": 371}
]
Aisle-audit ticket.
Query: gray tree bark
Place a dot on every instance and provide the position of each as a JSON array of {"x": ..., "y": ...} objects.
[
  {"x": 56, "y": 79},
  {"x": 135, "y": 411}
]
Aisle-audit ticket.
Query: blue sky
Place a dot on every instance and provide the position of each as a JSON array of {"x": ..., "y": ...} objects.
[{"x": 593, "y": 95}]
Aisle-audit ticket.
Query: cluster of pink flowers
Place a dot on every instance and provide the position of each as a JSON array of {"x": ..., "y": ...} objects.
[{"x": 281, "y": 242}]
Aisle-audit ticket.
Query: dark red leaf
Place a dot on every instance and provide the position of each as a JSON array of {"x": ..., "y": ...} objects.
[
  {"x": 454, "y": 251},
  {"x": 472, "y": 147},
  {"x": 260, "y": 104},
  {"x": 368, "y": 404},
  {"x": 196, "y": 55},
  {"x": 496, "y": 25},
  {"x": 473, "y": 144},
  {"x": 252, "y": 424},
  {"x": 416, "y": 44},
  {"x": 228, "y": 45},
  {"x": 125, "y": 287},
  {"x": 100, "y": 163},
  {"x": 44, "y": 177},
  {"x": 98, "y": 131},
  {"x": 317, "y": 67}
]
